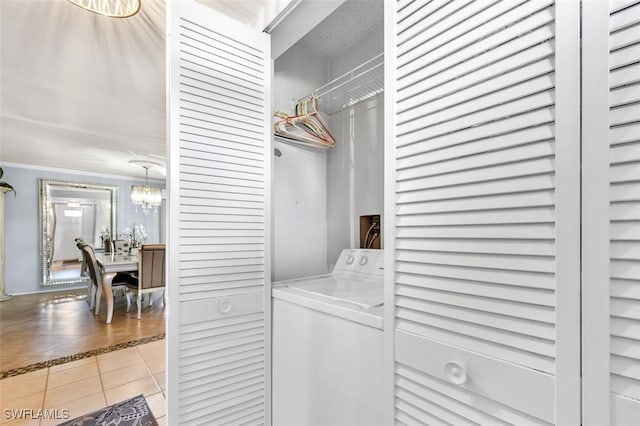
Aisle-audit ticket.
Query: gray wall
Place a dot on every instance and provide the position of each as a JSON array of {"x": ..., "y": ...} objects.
[
  {"x": 22, "y": 228},
  {"x": 355, "y": 166},
  {"x": 299, "y": 176},
  {"x": 355, "y": 173}
]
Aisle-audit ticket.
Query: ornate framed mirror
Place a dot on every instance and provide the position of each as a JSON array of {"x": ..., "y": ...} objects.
[{"x": 70, "y": 211}]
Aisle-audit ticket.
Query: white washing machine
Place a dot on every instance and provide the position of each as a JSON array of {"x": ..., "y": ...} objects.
[{"x": 328, "y": 345}]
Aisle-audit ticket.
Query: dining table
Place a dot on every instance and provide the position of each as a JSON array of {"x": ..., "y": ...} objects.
[{"x": 110, "y": 264}]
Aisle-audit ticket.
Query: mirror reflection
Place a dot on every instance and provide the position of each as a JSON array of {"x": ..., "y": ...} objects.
[{"x": 71, "y": 211}]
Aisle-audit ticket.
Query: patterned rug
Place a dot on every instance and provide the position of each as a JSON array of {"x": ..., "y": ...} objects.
[{"x": 132, "y": 412}]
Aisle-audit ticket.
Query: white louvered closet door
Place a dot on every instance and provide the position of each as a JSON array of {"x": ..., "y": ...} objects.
[
  {"x": 219, "y": 75},
  {"x": 611, "y": 209},
  {"x": 483, "y": 107}
]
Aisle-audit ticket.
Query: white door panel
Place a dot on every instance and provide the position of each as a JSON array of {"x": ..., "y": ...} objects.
[
  {"x": 482, "y": 200},
  {"x": 219, "y": 179},
  {"x": 624, "y": 194},
  {"x": 611, "y": 213}
]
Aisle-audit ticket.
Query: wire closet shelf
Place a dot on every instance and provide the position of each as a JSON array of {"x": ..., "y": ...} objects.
[
  {"x": 361, "y": 83},
  {"x": 358, "y": 85}
]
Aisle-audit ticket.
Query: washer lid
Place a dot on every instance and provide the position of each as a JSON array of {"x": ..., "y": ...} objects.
[{"x": 365, "y": 293}]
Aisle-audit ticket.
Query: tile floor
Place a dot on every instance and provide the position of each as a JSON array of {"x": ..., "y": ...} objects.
[{"x": 89, "y": 384}]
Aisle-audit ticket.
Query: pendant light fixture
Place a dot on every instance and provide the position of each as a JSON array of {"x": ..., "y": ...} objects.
[
  {"x": 111, "y": 8},
  {"x": 145, "y": 197}
]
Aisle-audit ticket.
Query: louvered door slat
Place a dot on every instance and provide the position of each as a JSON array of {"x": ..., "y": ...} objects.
[
  {"x": 625, "y": 134},
  {"x": 196, "y": 69},
  {"x": 491, "y": 276},
  {"x": 412, "y": 167},
  {"x": 207, "y": 39},
  {"x": 238, "y": 411},
  {"x": 529, "y": 231},
  {"x": 195, "y": 148},
  {"x": 441, "y": 86},
  {"x": 407, "y": 7},
  {"x": 540, "y": 297},
  {"x": 475, "y": 208},
  {"x": 622, "y": 18},
  {"x": 624, "y": 38},
  {"x": 538, "y": 198},
  {"x": 466, "y": 302},
  {"x": 206, "y": 78},
  {"x": 476, "y": 175},
  {"x": 618, "y": 5},
  {"x": 503, "y": 110},
  {"x": 475, "y": 319},
  {"x": 484, "y": 131},
  {"x": 224, "y": 157},
  {"x": 219, "y": 214},
  {"x": 465, "y": 62},
  {"x": 457, "y": 22},
  {"x": 625, "y": 173},
  {"x": 622, "y": 347},
  {"x": 514, "y": 263},
  {"x": 624, "y": 199},
  {"x": 484, "y": 37},
  {"x": 212, "y": 122},
  {"x": 200, "y": 142},
  {"x": 510, "y": 140},
  {"x": 435, "y": 11},
  {"x": 216, "y": 58},
  {"x": 247, "y": 196},
  {"x": 625, "y": 289},
  {"x": 430, "y": 406},
  {"x": 222, "y": 201},
  {"x": 482, "y": 99},
  {"x": 195, "y": 98},
  {"x": 410, "y": 415},
  {"x": 628, "y": 95}
]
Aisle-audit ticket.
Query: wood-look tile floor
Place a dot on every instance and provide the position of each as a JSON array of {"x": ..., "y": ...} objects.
[
  {"x": 45, "y": 326},
  {"x": 87, "y": 385}
]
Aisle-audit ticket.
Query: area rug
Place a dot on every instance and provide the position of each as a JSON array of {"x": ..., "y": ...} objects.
[{"x": 132, "y": 412}]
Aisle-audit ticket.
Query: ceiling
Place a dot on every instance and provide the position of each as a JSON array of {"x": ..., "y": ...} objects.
[
  {"x": 257, "y": 14},
  {"x": 81, "y": 91},
  {"x": 346, "y": 26}
]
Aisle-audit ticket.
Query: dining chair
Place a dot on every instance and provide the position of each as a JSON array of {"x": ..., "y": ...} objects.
[
  {"x": 84, "y": 271},
  {"x": 119, "y": 281},
  {"x": 151, "y": 274}
]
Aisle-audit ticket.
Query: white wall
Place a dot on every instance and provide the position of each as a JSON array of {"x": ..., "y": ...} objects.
[
  {"x": 22, "y": 226},
  {"x": 300, "y": 176},
  {"x": 355, "y": 165}
]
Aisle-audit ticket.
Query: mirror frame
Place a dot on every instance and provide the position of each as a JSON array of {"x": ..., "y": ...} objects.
[{"x": 45, "y": 225}]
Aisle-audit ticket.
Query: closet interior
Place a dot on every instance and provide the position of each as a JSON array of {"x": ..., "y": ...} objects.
[
  {"x": 321, "y": 190},
  {"x": 327, "y": 268}
]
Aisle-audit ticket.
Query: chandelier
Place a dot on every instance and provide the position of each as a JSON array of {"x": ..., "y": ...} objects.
[
  {"x": 112, "y": 8},
  {"x": 144, "y": 196}
]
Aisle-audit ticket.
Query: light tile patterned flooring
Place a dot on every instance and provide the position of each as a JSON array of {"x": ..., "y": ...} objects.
[{"x": 89, "y": 384}]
